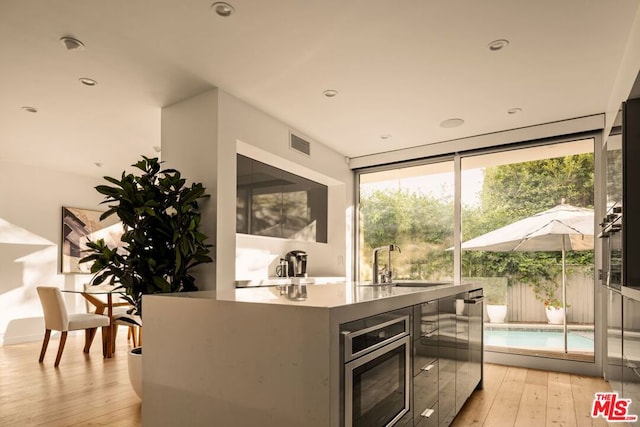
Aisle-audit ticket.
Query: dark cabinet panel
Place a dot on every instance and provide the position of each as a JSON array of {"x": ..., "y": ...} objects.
[
  {"x": 425, "y": 335},
  {"x": 469, "y": 311},
  {"x": 475, "y": 309},
  {"x": 425, "y": 390},
  {"x": 425, "y": 364},
  {"x": 447, "y": 354},
  {"x": 613, "y": 363},
  {"x": 447, "y": 388},
  {"x": 462, "y": 351},
  {"x": 631, "y": 349},
  {"x": 631, "y": 192}
]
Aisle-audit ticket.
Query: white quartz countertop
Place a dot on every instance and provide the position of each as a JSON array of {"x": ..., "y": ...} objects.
[
  {"x": 343, "y": 301},
  {"x": 334, "y": 295}
]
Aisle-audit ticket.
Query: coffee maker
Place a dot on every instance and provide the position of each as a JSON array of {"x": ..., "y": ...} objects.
[{"x": 296, "y": 263}]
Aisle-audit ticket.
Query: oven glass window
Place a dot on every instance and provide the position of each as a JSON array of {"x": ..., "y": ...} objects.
[{"x": 379, "y": 389}]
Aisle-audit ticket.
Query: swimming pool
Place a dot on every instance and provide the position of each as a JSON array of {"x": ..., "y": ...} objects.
[{"x": 539, "y": 339}]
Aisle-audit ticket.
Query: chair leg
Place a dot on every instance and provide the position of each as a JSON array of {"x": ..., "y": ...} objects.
[
  {"x": 114, "y": 332},
  {"x": 133, "y": 335},
  {"x": 139, "y": 336},
  {"x": 89, "y": 335},
  {"x": 105, "y": 335},
  {"x": 63, "y": 340},
  {"x": 45, "y": 343}
]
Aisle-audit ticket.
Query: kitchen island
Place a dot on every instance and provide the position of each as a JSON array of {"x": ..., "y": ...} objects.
[{"x": 264, "y": 358}]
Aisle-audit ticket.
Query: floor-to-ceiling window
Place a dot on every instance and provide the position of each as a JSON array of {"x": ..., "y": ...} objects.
[{"x": 412, "y": 206}]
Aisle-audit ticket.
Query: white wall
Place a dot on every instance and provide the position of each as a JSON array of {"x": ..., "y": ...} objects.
[
  {"x": 201, "y": 137},
  {"x": 189, "y": 135},
  {"x": 251, "y": 131},
  {"x": 31, "y": 201}
]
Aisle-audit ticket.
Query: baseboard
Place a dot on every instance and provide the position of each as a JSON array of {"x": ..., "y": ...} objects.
[
  {"x": 23, "y": 339},
  {"x": 19, "y": 339}
]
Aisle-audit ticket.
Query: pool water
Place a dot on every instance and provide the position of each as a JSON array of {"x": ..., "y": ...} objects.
[{"x": 577, "y": 340}]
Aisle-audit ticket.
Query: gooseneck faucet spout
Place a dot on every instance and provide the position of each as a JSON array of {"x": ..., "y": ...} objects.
[{"x": 386, "y": 274}]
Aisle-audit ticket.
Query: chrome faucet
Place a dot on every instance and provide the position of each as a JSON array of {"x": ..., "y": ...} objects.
[{"x": 385, "y": 275}]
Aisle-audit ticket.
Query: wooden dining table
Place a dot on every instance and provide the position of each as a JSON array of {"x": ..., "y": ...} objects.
[{"x": 92, "y": 295}]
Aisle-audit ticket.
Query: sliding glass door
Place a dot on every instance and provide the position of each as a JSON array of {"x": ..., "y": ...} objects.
[{"x": 520, "y": 208}]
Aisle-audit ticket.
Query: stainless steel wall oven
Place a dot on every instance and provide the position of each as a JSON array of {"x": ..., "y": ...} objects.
[
  {"x": 377, "y": 369},
  {"x": 612, "y": 248}
]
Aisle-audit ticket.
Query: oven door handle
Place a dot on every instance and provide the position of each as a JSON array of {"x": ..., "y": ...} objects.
[{"x": 349, "y": 336}]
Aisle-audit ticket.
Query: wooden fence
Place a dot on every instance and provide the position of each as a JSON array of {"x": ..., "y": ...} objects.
[{"x": 522, "y": 305}]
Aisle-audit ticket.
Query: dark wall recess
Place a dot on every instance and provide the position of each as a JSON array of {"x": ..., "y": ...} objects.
[{"x": 276, "y": 203}]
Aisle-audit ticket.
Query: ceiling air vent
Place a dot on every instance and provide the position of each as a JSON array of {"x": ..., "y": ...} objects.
[{"x": 300, "y": 145}]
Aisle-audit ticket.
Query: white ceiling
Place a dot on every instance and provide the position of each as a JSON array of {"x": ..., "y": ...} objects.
[{"x": 400, "y": 67}]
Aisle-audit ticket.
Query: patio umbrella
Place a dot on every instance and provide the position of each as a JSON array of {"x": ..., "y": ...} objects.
[{"x": 560, "y": 228}]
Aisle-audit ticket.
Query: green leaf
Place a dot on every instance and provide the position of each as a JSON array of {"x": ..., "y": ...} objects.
[{"x": 161, "y": 238}]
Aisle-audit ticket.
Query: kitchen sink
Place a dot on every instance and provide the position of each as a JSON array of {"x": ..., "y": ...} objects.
[
  {"x": 419, "y": 284},
  {"x": 409, "y": 284}
]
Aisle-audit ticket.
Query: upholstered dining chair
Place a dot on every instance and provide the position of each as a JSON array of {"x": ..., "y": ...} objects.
[
  {"x": 57, "y": 318},
  {"x": 133, "y": 321},
  {"x": 119, "y": 316}
]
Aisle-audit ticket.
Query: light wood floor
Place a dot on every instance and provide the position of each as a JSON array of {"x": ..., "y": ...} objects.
[
  {"x": 84, "y": 390},
  {"x": 528, "y": 397},
  {"x": 88, "y": 390}
]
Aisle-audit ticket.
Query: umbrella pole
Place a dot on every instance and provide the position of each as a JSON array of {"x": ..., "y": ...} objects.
[{"x": 564, "y": 294}]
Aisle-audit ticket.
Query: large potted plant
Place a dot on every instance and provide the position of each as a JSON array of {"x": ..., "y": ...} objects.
[{"x": 161, "y": 242}]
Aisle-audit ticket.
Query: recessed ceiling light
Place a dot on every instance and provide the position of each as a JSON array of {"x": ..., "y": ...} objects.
[
  {"x": 330, "y": 93},
  {"x": 98, "y": 164},
  {"x": 157, "y": 148},
  {"x": 514, "y": 110},
  {"x": 385, "y": 136},
  {"x": 222, "y": 9},
  {"x": 498, "y": 44},
  {"x": 451, "y": 123},
  {"x": 72, "y": 44},
  {"x": 30, "y": 109},
  {"x": 87, "y": 81}
]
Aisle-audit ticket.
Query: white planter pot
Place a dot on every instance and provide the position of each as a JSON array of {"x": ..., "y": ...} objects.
[
  {"x": 496, "y": 313},
  {"x": 134, "y": 359},
  {"x": 555, "y": 316}
]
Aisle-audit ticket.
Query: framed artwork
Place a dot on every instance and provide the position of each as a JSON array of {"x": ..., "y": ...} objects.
[{"x": 80, "y": 226}]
